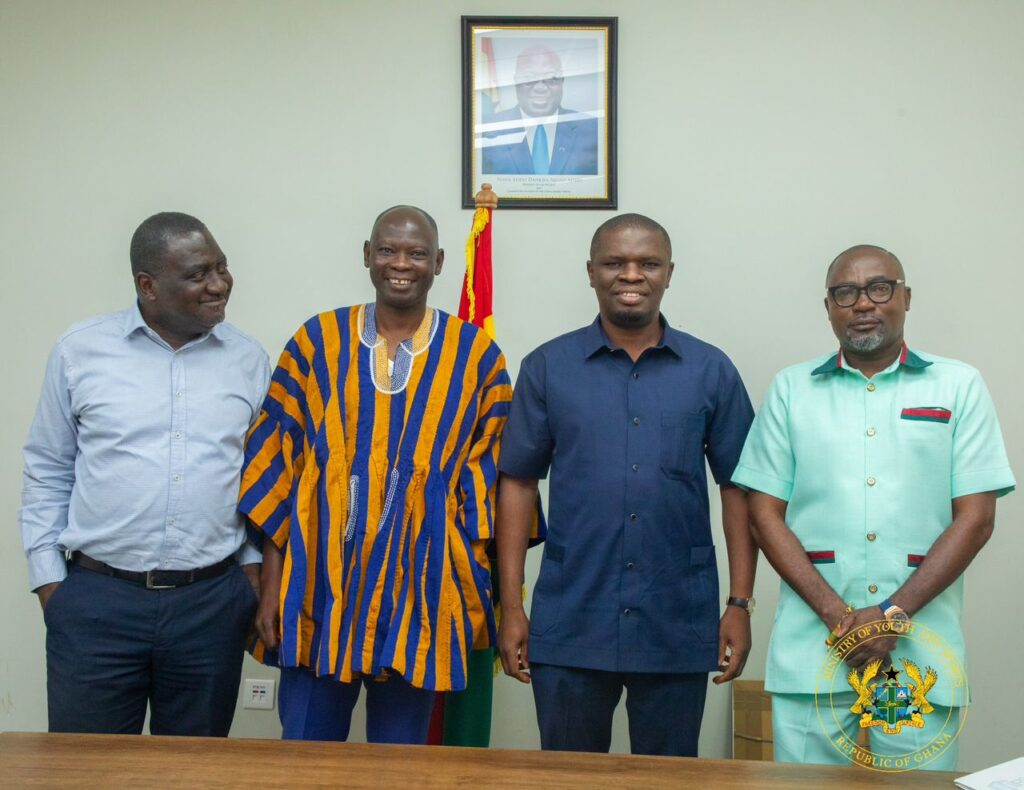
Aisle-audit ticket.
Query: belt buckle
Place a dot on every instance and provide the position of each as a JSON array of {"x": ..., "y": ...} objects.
[{"x": 152, "y": 585}]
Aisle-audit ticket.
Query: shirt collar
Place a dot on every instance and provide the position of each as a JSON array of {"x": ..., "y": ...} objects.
[
  {"x": 134, "y": 322},
  {"x": 596, "y": 340},
  {"x": 907, "y": 359}
]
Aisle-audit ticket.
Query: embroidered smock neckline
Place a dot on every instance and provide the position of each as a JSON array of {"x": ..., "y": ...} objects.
[{"x": 393, "y": 382}]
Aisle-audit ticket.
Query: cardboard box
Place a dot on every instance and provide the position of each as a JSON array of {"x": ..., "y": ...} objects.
[{"x": 751, "y": 721}]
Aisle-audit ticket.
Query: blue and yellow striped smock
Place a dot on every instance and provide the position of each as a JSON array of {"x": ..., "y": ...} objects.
[{"x": 379, "y": 487}]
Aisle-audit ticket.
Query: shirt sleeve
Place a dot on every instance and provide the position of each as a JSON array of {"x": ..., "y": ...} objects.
[
  {"x": 729, "y": 424},
  {"x": 249, "y": 553},
  {"x": 479, "y": 475},
  {"x": 979, "y": 456},
  {"x": 767, "y": 463},
  {"x": 262, "y": 384},
  {"x": 49, "y": 476},
  {"x": 527, "y": 444},
  {"x": 274, "y": 457}
]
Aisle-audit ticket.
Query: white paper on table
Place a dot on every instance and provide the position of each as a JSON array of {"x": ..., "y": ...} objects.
[{"x": 1005, "y": 776}]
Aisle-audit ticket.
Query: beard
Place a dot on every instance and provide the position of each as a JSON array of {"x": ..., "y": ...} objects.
[
  {"x": 865, "y": 344},
  {"x": 629, "y": 319}
]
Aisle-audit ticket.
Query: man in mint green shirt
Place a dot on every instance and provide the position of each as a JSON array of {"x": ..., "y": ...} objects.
[{"x": 874, "y": 474}]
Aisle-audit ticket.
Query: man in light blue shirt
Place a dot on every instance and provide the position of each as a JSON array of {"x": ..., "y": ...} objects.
[
  {"x": 874, "y": 474},
  {"x": 129, "y": 521}
]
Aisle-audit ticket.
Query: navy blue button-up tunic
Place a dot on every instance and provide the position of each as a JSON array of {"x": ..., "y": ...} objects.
[{"x": 628, "y": 582}]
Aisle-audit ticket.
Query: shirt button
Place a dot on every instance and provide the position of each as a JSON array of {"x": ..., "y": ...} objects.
[
  {"x": 636, "y": 421},
  {"x": 871, "y": 481},
  {"x": 177, "y": 478},
  {"x": 872, "y": 588},
  {"x": 633, "y": 517},
  {"x": 629, "y": 566},
  {"x": 625, "y": 611},
  {"x": 636, "y": 376},
  {"x": 871, "y": 387},
  {"x": 870, "y": 431},
  {"x": 872, "y": 536},
  {"x": 178, "y": 393},
  {"x": 636, "y": 467},
  {"x": 177, "y": 434}
]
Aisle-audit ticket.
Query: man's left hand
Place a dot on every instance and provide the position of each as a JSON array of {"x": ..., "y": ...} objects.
[
  {"x": 873, "y": 647},
  {"x": 733, "y": 644}
]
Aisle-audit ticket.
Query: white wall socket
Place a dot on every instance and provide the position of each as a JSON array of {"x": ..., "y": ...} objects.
[{"x": 259, "y": 694}]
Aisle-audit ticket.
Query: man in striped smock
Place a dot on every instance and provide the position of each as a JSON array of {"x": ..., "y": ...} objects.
[{"x": 370, "y": 473}]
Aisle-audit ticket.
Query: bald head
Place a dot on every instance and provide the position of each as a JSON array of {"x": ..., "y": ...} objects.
[
  {"x": 403, "y": 257},
  {"x": 388, "y": 213},
  {"x": 537, "y": 63},
  {"x": 867, "y": 302},
  {"x": 622, "y": 221},
  {"x": 859, "y": 251}
]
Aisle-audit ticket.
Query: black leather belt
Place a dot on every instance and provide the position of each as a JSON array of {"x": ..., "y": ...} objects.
[{"x": 155, "y": 579}]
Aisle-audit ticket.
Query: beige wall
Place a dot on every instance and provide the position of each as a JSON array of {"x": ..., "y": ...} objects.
[{"x": 766, "y": 136}]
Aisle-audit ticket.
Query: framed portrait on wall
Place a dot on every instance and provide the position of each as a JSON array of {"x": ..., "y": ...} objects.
[{"x": 538, "y": 110}]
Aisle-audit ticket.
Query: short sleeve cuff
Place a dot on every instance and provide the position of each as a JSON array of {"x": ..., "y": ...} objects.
[
  {"x": 46, "y": 567},
  {"x": 753, "y": 480},
  {"x": 520, "y": 465},
  {"x": 999, "y": 480},
  {"x": 522, "y": 469}
]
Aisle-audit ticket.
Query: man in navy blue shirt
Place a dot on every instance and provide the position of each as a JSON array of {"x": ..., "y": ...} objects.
[{"x": 623, "y": 413}]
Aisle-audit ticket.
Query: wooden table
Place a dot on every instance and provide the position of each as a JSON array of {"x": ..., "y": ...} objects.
[{"x": 49, "y": 760}]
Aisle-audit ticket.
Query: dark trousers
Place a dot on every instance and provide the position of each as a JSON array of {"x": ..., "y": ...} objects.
[
  {"x": 114, "y": 647},
  {"x": 320, "y": 708},
  {"x": 575, "y": 708}
]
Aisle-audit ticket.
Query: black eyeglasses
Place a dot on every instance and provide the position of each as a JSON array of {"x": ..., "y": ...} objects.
[{"x": 879, "y": 292}]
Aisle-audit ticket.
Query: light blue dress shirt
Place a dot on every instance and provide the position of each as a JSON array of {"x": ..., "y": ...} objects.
[{"x": 135, "y": 453}]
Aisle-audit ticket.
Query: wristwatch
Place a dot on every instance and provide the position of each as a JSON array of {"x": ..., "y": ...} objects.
[
  {"x": 742, "y": 603},
  {"x": 895, "y": 614}
]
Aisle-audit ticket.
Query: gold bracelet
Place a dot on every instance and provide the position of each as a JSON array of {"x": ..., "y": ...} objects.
[{"x": 833, "y": 636}]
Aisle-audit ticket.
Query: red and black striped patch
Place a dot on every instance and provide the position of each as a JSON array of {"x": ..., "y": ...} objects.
[
  {"x": 913, "y": 560},
  {"x": 821, "y": 557},
  {"x": 927, "y": 414}
]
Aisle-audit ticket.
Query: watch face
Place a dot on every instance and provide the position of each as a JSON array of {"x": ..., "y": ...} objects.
[{"x": 900, "y": 621}]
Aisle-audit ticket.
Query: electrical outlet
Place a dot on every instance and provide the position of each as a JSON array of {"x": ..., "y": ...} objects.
[{"x": 259, "y": 694}]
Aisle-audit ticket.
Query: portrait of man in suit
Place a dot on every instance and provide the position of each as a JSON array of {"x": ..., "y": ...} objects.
[{"x": 539, "y": 136}]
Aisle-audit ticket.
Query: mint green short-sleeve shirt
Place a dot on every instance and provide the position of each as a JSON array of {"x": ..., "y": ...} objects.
[{"x": 869, "y": 469}]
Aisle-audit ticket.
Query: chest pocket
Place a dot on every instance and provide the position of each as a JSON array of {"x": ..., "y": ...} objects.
[
  {"x": 682, "y": 444},
  {"x": 931, "y": 424}
]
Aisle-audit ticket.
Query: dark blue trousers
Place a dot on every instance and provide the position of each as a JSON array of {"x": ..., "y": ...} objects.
[
  {"x": 320, "y": 709},
  {"x": 114, "y": 647},
  {"x": 575, "y": 708}
]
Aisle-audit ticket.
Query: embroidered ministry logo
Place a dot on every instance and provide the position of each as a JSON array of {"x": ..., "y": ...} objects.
[{"x": 888, "y": 702}]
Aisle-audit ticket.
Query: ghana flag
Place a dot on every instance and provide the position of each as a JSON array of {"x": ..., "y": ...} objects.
[{"x": 464, "y": 718}]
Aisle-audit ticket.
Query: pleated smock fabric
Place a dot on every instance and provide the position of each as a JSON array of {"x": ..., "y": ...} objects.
[{"x": 379, "y": 486}]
